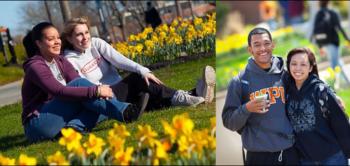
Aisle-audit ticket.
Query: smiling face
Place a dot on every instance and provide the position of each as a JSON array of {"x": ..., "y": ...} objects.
[
  {"x": 300, "y": 68},
  {"x": 261, "y": 48},
  {"x": 50, "y": 43},
  {"x": 80, "y": 38}
]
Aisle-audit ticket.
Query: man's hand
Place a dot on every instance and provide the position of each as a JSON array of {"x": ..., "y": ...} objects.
[
  {"x": 150, "y": 76},
  {"x": 258, "y": 105}
]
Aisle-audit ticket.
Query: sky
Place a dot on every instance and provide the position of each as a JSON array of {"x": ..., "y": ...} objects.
[{"x": 10, "y": 15}]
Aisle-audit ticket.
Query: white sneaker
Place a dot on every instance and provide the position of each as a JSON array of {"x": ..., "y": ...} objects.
[
  {"x": 181, "y": 98},
  {"x": 206, "y": 86}
]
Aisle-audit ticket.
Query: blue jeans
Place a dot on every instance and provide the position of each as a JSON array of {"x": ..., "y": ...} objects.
[
  {"x": 333, "y": 55},
  {"x": 82, "y": 115},
  {"x": 336, "y": 159}
]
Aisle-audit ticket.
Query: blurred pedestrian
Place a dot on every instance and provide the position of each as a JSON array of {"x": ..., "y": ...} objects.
[
  {"x": 152, "y": 16},
  {"x": 325, "y": 33},
  {"x": 268, "y": 13}
]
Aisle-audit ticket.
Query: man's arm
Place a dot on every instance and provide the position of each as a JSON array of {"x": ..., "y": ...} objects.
[{"x": 234, "y": 114}]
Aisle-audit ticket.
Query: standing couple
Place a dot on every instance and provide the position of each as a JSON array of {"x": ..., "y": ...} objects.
[
  {"x": 82, "y": 87},
  {"x": 300, "y": 122}
]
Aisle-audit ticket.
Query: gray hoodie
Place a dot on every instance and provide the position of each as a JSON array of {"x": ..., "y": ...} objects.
[
  {"x": 261, "y": 132},
  {"x": 99, "y": 62}
]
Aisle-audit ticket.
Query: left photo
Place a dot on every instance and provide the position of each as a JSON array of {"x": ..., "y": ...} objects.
[{"x": 107, "y": 82}]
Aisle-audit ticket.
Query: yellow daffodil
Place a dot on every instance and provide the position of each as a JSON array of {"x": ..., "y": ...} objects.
[
  {"x": 70, "y": 138},
  {"x": 6, "y": 161},
  {"x": 57, "y": 159},
  {"x": 116, "y": 142},
  {"x": 146, "y": 135},
  {"x": 213, "y": 122},
  {"x": 119, "y": 130},
  {"x": 169, "y": 130},
  {"x": 26, "y": 160},
  {"x": 337, "y": 69},
  {"x": 139, "y": 48},
  {"x": 132, "y": 38},
  {"x": 183, "y": 124},
  {"x": 184, "y": 146},
  {"x": 211, "y": 142},
  {"x": 198, "y": 21},
  {"x": 94, "y": 145},
  {"x": 175, "y": 23},
  {"x": 124, "y": 157},
  {"x": 149, "y": 44}
]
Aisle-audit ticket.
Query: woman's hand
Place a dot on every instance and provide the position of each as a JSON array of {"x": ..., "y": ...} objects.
[
  {"x": 105, "y": 91},
  {"x": 150, "y": 76}
]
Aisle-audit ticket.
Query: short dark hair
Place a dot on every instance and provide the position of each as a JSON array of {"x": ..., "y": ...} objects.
[
  {"x": 323, "y": 3},
  {"x": 256, "y": 31},
  {"x": 310, "y": 56}
]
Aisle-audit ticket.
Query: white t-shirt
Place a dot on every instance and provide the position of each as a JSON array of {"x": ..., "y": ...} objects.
[{"x": 56, "y": 72}]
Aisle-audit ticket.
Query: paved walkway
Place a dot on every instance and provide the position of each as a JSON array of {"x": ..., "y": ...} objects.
[
  {"x": 228, "y": 143},
  {"x": 10, "y": 93}
]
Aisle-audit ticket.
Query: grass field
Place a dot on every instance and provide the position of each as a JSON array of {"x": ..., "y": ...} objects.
[
  {"x": 12, "y": 73},
  {"x": 179, "y": 76}
]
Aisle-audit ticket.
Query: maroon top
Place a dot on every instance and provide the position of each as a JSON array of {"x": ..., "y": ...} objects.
[{"x": 40, "y": 86}]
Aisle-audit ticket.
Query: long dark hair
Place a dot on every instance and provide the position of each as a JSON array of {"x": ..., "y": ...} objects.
[
  {"x": 34, "y": 35},
  {"x": 310, "y": 55}
]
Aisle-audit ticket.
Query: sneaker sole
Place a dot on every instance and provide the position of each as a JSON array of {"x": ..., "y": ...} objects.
[
  {"x": 195, "y": 105},
  {"x": 143, "y": 102},
  {"x": 209, "y": 79}
]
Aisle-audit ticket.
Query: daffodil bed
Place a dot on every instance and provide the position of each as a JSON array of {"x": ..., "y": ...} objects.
[{"x": 178, "y": 135}]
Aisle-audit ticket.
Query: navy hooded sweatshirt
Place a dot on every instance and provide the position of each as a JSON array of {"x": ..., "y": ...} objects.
[{"x": 321, "y": 127}]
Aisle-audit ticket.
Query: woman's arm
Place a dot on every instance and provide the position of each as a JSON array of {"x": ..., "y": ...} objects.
[
  {"x": 116, "y": 58},
  {"x": 338, "y": 121},
  {"x": 41, "y": 75}
]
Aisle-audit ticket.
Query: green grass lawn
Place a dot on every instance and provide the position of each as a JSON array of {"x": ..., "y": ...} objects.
[
  {"x": 179, "y": 76},
  {"x": 12, "y": 73},
  {"x": 344, "y": 94}
]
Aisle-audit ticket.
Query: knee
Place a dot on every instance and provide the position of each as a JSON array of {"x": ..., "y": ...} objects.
[{"x": 80, "y": 82}]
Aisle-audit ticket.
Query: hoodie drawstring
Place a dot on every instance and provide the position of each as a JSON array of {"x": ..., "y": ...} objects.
[{"x": 280, "y": 156}]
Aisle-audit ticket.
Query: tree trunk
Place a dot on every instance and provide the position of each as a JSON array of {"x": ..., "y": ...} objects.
[
  {"x": 48, "y": 11},
  {"x": 191, "y": 7},
  {"x": 178, "y": 8},
  {"x": 65, "y": 10}
]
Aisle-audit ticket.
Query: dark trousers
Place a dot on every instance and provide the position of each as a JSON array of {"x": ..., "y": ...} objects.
[
  {"x": 130, "y": 88},
  {"x": 289, "y": 157}
]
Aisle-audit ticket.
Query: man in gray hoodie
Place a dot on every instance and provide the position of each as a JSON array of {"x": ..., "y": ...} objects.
[{"x": 266, "y": 132}]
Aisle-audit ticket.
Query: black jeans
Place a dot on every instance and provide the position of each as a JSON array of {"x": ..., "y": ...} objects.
[
  {"x": 289, "y": 157},
  {"x": 130, "y": 88}
]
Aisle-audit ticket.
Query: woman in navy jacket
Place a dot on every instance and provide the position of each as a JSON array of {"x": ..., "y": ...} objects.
[{"x": 321, "y": 127}]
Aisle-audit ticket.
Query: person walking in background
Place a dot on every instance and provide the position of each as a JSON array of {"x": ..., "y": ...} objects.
[
  {"x": 325, "y": 34},
  {"x": 97, "y": 61},
  {"x": 152, "y": 16},
  {"x": 54, "y": 96},
  {"x": 268, "y": 13},
  {"x": 266, "y": 132},
  {"x": 321, "y": 127}
]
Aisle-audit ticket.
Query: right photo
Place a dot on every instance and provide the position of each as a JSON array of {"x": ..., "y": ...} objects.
[{"x": 283, "y": 82}]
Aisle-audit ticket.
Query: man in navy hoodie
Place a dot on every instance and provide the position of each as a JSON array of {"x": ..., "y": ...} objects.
[{"x": 266, "y": 132}]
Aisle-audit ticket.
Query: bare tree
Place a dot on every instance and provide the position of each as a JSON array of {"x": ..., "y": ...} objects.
[
  {"x": 34, "y": 12},
  {"x": 137, "y": 11}
]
